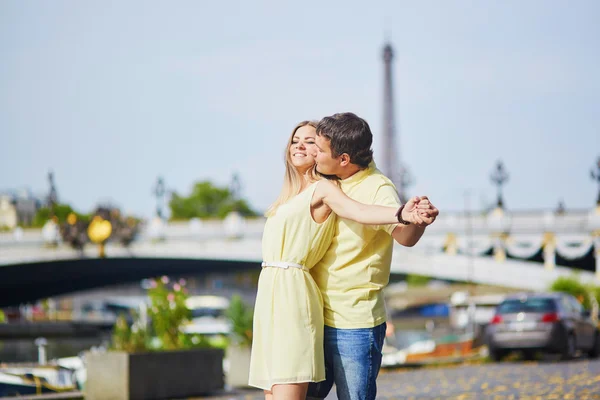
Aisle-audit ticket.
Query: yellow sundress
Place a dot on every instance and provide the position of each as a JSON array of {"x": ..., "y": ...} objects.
[{"x": 287, "y": 343}]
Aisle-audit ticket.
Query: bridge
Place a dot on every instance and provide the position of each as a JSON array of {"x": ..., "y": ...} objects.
[{"x": 519, "y": 250}]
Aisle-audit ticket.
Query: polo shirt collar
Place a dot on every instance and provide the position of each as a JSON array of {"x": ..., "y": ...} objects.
[{"x": 360, "y": 175}]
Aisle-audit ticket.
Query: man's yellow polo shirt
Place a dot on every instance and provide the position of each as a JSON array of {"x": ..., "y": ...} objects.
[{"x": 356, "y": 267}]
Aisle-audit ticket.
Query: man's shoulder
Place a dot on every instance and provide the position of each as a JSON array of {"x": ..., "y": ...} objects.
[{"x": 376, "y": 179}]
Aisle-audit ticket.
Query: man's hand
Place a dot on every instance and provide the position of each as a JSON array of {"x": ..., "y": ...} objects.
[{"x": 420, "y": 211}]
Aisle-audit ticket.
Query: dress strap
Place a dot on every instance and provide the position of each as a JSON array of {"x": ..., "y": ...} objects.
[{"x": 283, "y": 264}]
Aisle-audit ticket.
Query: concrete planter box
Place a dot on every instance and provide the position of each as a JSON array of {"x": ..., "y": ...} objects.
[
  {"x": 238, "y": 366},
  {"x": 149, "y": 376}
]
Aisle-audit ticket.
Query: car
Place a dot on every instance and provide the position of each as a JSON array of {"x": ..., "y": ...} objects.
[{"x": 546, "y": 322}]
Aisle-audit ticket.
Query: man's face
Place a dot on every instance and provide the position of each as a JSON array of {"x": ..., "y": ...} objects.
[{"x": 326, "y": 164}]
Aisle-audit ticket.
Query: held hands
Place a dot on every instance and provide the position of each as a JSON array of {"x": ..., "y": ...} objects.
[{"x": 419, "y": 211}]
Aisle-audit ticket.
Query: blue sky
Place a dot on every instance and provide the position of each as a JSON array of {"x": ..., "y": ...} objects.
[{"x": 111, "y": 94}]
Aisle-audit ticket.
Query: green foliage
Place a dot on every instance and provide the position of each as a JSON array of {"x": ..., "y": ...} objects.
[
  {"x": 2, "y": 317},
  {"x": 61, "y": 211},
  {"x": 417, "y": 280},
  {"x": 241, "y": 316},
  {"x": 207, "y": 201},
  {"x": 127, "y": 338},
  {"x": 595, "y": 291},
  {"x": 573, "y": 286},
  {"x": 169, "y": 312}
]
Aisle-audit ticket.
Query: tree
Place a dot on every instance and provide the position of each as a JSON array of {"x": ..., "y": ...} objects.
[
  {"x": 61, "y": 211},
  {"x": 572, "y": 286},
  {"x": 207, "y": 201},
  {"x": 417, "y": 280}
]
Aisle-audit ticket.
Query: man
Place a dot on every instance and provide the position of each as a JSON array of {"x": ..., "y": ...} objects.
[{"x": 356, "y": 267}]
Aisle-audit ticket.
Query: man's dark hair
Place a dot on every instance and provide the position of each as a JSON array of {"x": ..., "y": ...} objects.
[{"x": 350, "y": 134}]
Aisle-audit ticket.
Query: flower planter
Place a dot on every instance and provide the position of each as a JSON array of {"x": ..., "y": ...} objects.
[
  {"x": 238, "y": 366},
  {"x": 157, "y": 375}
]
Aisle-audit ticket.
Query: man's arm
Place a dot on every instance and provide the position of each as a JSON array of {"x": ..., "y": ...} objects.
[
  {"x": 420, "y": 213},
  {"x": 408, "y": 235}
]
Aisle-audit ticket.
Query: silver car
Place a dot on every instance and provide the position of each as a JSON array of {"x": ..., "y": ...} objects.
[{"x": 549, "y": 322}]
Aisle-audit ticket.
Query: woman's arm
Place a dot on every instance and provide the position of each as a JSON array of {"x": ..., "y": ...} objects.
[
  {"x": 331, "y": 195},
  {"x": 421, "y": 213}
]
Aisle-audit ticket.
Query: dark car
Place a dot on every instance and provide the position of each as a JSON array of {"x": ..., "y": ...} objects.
[{"x": 549, "y": 322}]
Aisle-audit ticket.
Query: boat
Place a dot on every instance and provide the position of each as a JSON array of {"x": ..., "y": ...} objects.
[
  {"x": 208, "y": 316},
  {"x": 16, "y": 380}
]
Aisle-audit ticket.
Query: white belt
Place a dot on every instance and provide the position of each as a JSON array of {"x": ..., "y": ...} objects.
[{"x": 283, "y": 264}]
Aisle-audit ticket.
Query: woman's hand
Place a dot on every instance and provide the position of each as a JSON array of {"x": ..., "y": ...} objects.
[{"x": 420, "y": 211}]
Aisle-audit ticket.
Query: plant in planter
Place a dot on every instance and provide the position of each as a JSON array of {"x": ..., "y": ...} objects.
[
  {"x": 127, "y": 338},
  {"x": 168, "y": 313},
  {"x": 156, "y": 362},
  {"x": 238, "y": 351}
]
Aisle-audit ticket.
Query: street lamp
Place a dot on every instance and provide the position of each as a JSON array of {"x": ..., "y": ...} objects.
[
  {"x": 159, "y": 192},
  {"x": 499, "y": 225},
  {"x": 595, "y": 175},
  {"x": 50, "y": 232},
  {"x": 499, "y": 177},
  {"x": 549, "y": 241},
  {"x": 234, "y": 224},
  {"x": 99, "y": 231}
]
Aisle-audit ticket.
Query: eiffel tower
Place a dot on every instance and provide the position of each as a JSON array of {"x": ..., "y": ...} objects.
[{"x": 392, "y": 166}]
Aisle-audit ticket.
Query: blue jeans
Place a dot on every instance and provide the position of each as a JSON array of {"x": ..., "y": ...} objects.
[{"x": 352, "y": 361}]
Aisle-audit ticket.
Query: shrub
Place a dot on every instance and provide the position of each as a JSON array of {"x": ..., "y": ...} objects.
[
  {"x": 127, "y": 338},
  {"x": 241, "y": 316},
  {"x": 417, "y": 280},
  {"x": 574, "y": 287},
  {"x": 168, "y": 313}
]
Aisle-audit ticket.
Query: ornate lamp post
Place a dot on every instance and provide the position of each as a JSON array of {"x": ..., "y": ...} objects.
[
  {"x": 499, "y": 177},
  {"x": 50, "y": 232},
  {"x": 52, "y": 199},
  {"x": 235, "y": 187},
  {"x": 159, "y": 192},
  {"x": 234, "y": 221},
  {"x": 99, "y": 231},
  {"x": 497, "y": 221},
  {"x": 405, "y": 179},
  {"x": 549, "y": 241},
  {"x": 594, "y": 218},
  {"x": 595, "y": 175}
]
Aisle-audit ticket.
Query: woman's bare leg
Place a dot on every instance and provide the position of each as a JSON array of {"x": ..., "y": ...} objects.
[
  {"x": 268, "y": 395},
  {"x": 292, "y": 391}
]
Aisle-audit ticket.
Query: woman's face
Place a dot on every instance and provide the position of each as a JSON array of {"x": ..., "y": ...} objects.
[{"x": 302, "y": 149}]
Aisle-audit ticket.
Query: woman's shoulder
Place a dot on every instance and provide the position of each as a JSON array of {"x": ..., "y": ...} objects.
[{"x": 324, "y": 186}]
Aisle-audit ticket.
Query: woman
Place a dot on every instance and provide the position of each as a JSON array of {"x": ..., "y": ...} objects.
[{"x": 287, "y": 348}]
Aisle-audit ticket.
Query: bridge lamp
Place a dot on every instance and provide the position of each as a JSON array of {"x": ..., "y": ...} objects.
[
  {"x": 234, "y": 224},
  {"x": 593, "y": 222},
  {"x": 195, "y": 225},
  {"x": 156, "y": 229},
  {"x": 549, "y": 221},
  {"x": 498, "y": 222},
  {"x": 50, "y": 232},
  {"x": 18, "y": 234},
  {"x": 99, "y": 231}
]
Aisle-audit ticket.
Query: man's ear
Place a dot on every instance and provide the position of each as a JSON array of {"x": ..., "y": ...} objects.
[{"x": 344, "y": 159}]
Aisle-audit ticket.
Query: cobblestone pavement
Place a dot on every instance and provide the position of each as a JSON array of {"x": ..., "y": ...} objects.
[{"x": 577, "y": 380}]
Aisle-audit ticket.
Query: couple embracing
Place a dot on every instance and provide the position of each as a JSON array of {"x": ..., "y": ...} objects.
[{"x": 319, "y": 317}]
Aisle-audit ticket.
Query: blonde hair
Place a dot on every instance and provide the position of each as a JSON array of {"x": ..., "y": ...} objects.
[{"x": 293, "y": 180}]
